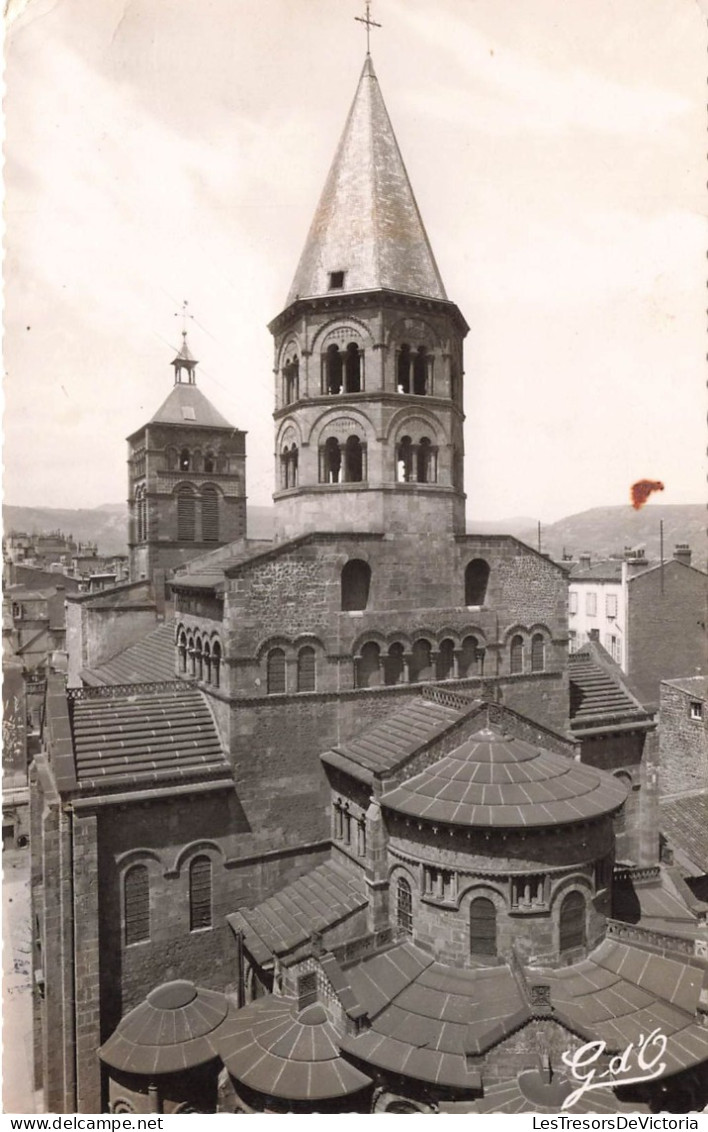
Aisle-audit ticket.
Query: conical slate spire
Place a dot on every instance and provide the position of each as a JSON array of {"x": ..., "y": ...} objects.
[{"x": 367, "y": 232}]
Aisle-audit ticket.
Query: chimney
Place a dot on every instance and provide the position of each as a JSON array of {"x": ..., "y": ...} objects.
[
  {"x": 594, "y": 635},
  {"x": 682, "y": 553},
  {"x": 585, "y": 558}
]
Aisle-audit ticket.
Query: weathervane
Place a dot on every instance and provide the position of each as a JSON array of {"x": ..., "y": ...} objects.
[
  {"x": 369, "y": 23},
  {"x": 184, "y": 315}
]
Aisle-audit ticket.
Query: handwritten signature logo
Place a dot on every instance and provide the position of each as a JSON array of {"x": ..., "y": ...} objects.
[{"x": 583, "y": 1064}]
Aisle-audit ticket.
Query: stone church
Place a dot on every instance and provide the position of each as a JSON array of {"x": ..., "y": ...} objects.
[{"x": 317, "y": 824}]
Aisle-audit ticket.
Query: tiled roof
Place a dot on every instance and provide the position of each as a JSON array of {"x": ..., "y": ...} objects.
[
  {"x": 149, "y": 661},
  {"x": 517, "y": 1096},
  {"x": 312, "y": 903},
  {"x": 174, "y": 1029},
  {"x": 144, "y": 737},
  {"x": 275, "y": 1049},
  {"x": 621, "y": 991},
  {"x": 186, "y": 404},
  {"x": 367, "y": 222},
  {"x": 695, "y": 685},
  {"x": 494, "y": 780},
  {"x": 598, "y": 693},
  {"x": 426, "y": 1018},
  {"x": 386, "y": 745},
  {"x": 684, "y": 823}
]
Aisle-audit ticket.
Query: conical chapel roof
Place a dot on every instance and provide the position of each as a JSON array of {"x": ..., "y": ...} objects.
[{"x": 367, "y": 224}]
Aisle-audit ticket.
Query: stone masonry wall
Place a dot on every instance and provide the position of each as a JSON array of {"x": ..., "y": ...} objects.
[
  {"x": 666, "y": 632},
  {"x": 683, "y": 742}
]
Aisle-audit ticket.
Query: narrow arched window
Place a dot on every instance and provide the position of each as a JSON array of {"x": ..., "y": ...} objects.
[
  {"x": 445, "y": 662},
  {"x": 172, "y": 459},
  {"x": 136, "y": 904},
  {"x": 468, "y": 657},
  {"x": 306, "y": 669},
  {"x": 353, "y": 460},
  {"x": 186, "y": 514},
  {"x": 403, "y": 369},
  {"x": 333, "y": 370},
  {"x": 199, "y": 894},
  {"x": 355, "y": 583},
  {"x": 353, "y": 368},
  {"x": 216, "y": 664},
  {"x": 206, "y": 654},
  {"x": 421, "y": 368},
  {"x": 538, "y": 659},
  {"x": 276, "y": 671},
  {"x": 185, "y": 460},
  {"x": 421, "y": 664},
  {"x": 483, "y": 927},
  {"x": 368, "y": 666},
  {"x": 289, "y": 466},
  {"x": 210, "y": 514},
  {"x": 516, "y": 655},
  {"x": 198, "y": 667},
  {"x": 476, "y": 581},
  {"x": 209, "y": 462},
  {"x": 404, "y": 460},
  {"x": 572, "y": 921},
  {"x": 404, "y": 906},
  {"x": 330, "y": 461},
  {"x": 291, "y": 378},
  {"x": 426, "y": 462},
  {"x": 191, "y": 654},
  {"x": 394, "y": 667},
  {"x": 182, "y": 650}
]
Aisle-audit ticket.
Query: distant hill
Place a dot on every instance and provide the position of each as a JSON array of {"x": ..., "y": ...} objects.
[
  {"x": 601, "y": 530},
  {"x": 607, "y": 530}
]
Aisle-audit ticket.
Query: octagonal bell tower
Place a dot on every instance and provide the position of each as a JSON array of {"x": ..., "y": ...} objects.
[{"x": 368, "y": 354}]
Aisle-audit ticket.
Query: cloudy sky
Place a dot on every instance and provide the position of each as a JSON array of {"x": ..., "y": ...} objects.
[{"x": 167, "y": 149}]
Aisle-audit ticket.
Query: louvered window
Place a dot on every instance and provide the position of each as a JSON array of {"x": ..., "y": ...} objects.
[
  {"x": 137, "y": 904},
  {"x": 306, "y": 669},
  {"x": 276, "y": 671},
  {"x": 185, "y": 515},
  {"x": 200, "y": 893},
  {"x": 572, "y": 921},
  {"x": 483, "y": 927},
  {"x": 404, "y": 906},
  {"x": 210, "y": 514}
]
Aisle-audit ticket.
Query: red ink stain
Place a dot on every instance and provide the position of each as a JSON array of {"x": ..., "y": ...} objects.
[{"x": 641, "y": 490}]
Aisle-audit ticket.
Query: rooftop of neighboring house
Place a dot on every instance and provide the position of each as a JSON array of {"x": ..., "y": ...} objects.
[{"x": 695, "y": 686}]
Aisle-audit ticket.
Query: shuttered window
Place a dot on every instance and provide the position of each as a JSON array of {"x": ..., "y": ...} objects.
[
  {"x": 276, "y": 671},
  {"x": 306, "y": 669},
  {"x": 483, "y": 927},
  {"x": 137, "y": 904},
  {"x": 200, "y": 893},
  {"x": 572, "y": 921},
  {"x": 186, "y": 509},
  {"x": 210, "y": 514}
]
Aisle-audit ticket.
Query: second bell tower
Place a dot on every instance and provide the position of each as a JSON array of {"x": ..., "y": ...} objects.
[{"x": 368, "y": 354}]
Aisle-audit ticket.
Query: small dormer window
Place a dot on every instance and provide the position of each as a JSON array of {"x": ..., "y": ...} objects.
[
  {"x": 336, "y": 280},
  {"x": 188, "y": 413}
]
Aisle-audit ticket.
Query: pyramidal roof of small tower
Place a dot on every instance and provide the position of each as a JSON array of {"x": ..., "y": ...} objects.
[
  {"x": 367, "y": 224},
  {"x": 187, "y": 405}
]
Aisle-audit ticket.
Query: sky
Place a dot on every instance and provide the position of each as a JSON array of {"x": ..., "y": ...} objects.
[{"x": 162, "y": 150}]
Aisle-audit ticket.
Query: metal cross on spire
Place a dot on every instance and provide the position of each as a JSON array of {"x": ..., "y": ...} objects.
[
  {"x": 184, "y": 315},
  {"x": 369, "y": 24}
]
